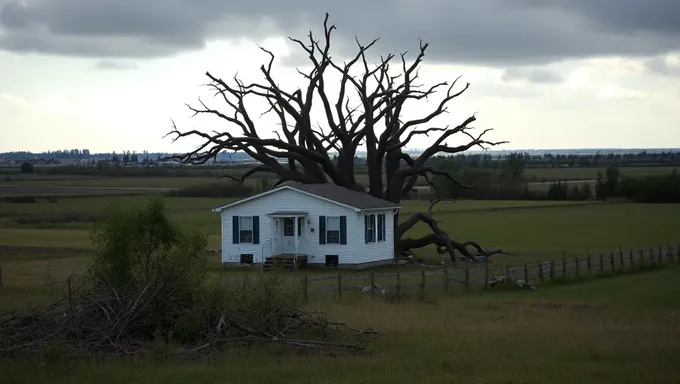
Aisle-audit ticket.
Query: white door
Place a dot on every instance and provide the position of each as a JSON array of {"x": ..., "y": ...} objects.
[{"x": 288, "y": 231}]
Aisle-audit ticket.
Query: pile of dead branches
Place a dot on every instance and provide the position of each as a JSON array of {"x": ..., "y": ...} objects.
[{"x": 95, "y": 318}]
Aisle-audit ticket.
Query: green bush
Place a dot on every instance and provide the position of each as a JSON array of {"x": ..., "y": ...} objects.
[{"x": 142, "y": 245}]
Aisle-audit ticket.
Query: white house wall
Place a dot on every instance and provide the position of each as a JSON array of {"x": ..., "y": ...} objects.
[{"x": 356, "y": 251}]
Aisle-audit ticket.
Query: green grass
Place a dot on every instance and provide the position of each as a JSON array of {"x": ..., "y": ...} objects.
[
  {"x": 620, "y": 330},
  {"x": 538, "y": 230}
]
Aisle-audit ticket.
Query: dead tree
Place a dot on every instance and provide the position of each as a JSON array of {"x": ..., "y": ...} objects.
[{"x": 367, "y": 111}]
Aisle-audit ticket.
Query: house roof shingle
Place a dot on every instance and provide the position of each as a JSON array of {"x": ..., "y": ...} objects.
[
  {"x": 340, "y": 195},
  {"x": 344, "y": 195}
]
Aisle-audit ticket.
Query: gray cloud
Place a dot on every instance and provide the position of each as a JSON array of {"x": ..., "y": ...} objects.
[
  {"x": 491, "y": 32},
  {"x": 114, "y": 65},
  {"x": 663, "y": 66},
  {"x": 536, "y": 75}
]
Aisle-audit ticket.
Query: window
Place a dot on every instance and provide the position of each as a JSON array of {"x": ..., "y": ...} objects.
[
  {"x": 332, "y": 260},
  {"x": 370, "y": 228},
  {"x": 246, "y": 259},
  {"x": 289, "y": 226},
  {"x": 374, "y": 228},
  {"x": 333, "y": 230},
  {"x": 245, "y": 224}
]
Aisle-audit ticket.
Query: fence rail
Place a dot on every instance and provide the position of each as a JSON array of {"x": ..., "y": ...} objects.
[
  {"x": 457, "y": 279},
  {"x": 487, "y": 277}
]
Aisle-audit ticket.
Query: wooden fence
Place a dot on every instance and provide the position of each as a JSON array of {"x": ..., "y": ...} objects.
[{"x": 487, "y": 277}]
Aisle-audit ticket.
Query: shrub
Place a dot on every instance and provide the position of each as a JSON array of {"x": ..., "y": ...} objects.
[
  {"x": 27, "y": 168},
  {"x": 142, "y": 245}
]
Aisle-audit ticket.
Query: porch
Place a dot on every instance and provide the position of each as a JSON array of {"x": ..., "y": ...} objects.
[{"x": 286, "y": 247}]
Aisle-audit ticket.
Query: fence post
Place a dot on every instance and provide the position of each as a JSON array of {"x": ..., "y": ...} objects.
[
  {"x": 642, "y": 257},
  {"x": 372, "y": 283},
  {"x": 305, "y": 285},
  {"x": 590, "y": 264},
  {"x": 623, "y": 265},
  {"x": 339, "y": 285},
  {"x": 486, "y": 275},
  {"x": 446, "y": 280},
  {"x": 631, "y": 259},
  {"x": 422, "y": 280},
  {"x": 651, "y": 256},
  {"x": 564, "y": 267},
  {"x": 671, "y": 256},
  {"x": 611, "y": 260},
  {"x": 507, "y": 272},
  {"x": 552, "y": 270},
  {"x": 526, "y": 273},
  {"x": 577, "y": 266},
  {"x": 467, "y": 279},
  {"x": 660, "y": 256},
  {"x": 398, "y": 283},
  {"x": 601, "y": 263},
  {"x": 540, "y": 271}
]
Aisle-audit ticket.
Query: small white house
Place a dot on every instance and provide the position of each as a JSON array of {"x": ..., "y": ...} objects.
[{"x": 326, "y": 224}]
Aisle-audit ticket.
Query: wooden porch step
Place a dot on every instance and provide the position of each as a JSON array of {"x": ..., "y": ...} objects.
[{"x": 284, "y": 261}]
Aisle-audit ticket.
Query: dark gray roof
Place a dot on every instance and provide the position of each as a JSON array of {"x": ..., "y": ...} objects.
[{"x": 344, "y": 195}]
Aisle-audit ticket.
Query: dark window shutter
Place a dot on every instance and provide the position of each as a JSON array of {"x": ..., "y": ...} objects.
[
  {"x": 381, "y": 226},
  {"x": 366, "y": 229},
  {"x": 256, "y": 229},
  {"x": 343, "y": 229},
  {"x": 322, "y": 229},
  {"x": 234, "y": 225}
]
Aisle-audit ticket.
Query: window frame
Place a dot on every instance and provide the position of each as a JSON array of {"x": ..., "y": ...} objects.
[
  {"x": 243, "y": 233},
  {"x": 372, "y": 229},
  {"x": 333, "y": 231}
]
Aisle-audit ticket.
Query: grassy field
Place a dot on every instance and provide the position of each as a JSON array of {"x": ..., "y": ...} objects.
[
  {"x": 531, "y": 175},
  {"x": 55, "y": 236},
  {"x": 618, "y": 330}
]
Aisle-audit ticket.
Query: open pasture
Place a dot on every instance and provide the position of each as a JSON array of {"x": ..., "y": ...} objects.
[
  {"x": 44, "y": 236},
  {"x": 618, "y": 330},
  {"x": 531, "y": 175}
]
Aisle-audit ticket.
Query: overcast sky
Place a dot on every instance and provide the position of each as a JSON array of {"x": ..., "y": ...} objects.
[{"x": 109, "y": 75}]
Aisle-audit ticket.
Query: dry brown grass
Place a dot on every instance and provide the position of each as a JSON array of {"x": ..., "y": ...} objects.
[{"x": 618, "y": 330}]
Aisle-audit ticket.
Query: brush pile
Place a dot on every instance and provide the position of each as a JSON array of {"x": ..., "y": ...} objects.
[{"x": 94, "y": 318}]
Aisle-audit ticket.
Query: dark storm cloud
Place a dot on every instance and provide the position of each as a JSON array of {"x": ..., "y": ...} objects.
[{"x": 492, "y": 32}]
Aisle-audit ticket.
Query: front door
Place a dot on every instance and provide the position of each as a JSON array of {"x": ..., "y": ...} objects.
[{"x": 288, "y": 239}]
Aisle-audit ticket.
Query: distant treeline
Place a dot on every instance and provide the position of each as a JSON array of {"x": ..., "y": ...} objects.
[
  {"x": 599, "y": 160},
  {"x": 508, "y": 184}
]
